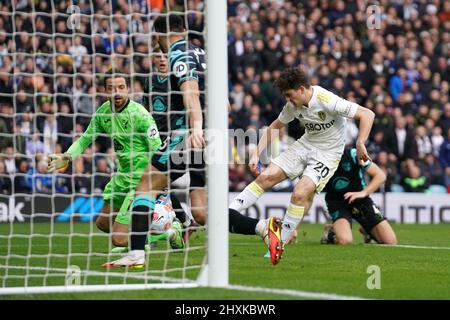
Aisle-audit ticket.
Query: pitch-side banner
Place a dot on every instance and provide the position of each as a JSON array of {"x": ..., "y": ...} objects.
[{"x": 397, "y": 207}]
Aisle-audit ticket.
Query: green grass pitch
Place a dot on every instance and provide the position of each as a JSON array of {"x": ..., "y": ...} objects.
[{"x": 406, "y": 273}]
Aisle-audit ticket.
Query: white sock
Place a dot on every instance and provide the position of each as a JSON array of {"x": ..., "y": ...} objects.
[
  {"x": 137, "y": 254},
  {"x": 247, "y": 197},
  {"x": 260, "y": 227},
  {"x": 291, "y": 220}
]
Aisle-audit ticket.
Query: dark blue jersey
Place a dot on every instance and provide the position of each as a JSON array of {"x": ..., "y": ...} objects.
[
  {"x": 186, "y": 62},
  {"x": 155, "y": 100},
  {"x": 349, "y": 177}
]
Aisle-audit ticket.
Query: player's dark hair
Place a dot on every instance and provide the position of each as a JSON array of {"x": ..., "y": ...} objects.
[
  {"x": 171, "y": 20},
  {"x": 292, "y": 78},
  {"x": 116, "y": 73}
]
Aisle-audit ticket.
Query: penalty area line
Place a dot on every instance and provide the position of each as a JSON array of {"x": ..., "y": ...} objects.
[
  {"x": 412, "y": 246},
  {"x": 296, "y": 293}
]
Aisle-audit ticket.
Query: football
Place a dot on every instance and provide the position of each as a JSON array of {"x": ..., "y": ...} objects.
[{"x": 162, "y": 217}]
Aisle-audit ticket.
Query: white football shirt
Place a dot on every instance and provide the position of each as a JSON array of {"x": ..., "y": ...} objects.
[{"x": 324, "y": 119}]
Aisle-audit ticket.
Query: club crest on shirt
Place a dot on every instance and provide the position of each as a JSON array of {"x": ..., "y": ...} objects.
[
  {"x": 322, "y": 115},
  {"x": 347, "y": 166},
  {"x": 152, "y": 132}
]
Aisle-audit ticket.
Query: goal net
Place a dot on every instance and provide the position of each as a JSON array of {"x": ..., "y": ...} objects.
[{"x": 53, "y": 58}]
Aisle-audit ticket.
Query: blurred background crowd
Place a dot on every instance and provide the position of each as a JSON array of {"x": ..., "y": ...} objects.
[{"x": 395, "y": 61}]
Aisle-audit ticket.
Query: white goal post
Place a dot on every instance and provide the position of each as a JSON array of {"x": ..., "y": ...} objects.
[{"x": 217, "y": 97}]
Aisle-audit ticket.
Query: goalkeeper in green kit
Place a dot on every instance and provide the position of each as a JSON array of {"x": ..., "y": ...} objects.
[{"x": 135, "y": 138}]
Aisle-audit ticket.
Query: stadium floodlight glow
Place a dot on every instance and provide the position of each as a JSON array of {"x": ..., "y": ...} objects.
[{"x": 41, "y": 255}]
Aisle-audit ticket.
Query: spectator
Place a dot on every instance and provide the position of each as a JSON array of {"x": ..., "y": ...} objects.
[
  {"x": 414, "y": 180},
  {"x": 432, "y": 170},
  {"x": 399, "y": 70},
  {"x": 10, "y": 161},
  {"x": 423, "y": 143},
  {"x": 400, "y": 141},
  {"x": 34, "y": 146},
  {"x": 444, "y": 158},
  {"x": 6, "y": 126},
  {"x": 397, "y": 85},
  {"x": 50, "y": 134},
  {"x": 77, "y": 51},
  {"x": 389, "y": 168},
  {"x": 444, "y": 121},
  {"x": 21, "y": 184},
  {"x": 436, "y": 140},
  {"x": 38, "y": 180},
  {"x": 238, "y": 96},
  {"x": 5, "y": 180}
]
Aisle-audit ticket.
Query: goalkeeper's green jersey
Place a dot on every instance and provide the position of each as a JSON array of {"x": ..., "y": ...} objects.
[{"x": 134, "y": 134}]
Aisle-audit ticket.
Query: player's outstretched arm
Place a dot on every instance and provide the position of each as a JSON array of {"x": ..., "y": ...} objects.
[
  {"x": 59, "y": 162},
  {"x": 378, "y": 177},
  {"x": 191, "y": 101},
  {"x": 365, "y": 118},
  {"x": 265, "y": 140}
]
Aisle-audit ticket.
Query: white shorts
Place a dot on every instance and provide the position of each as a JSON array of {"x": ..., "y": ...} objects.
[{"x": 302, "y": 159}]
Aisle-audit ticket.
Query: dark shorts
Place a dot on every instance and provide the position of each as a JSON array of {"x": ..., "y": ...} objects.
[
  {"x": 175, "y": 163},
  {"x": 364, "y": 211}
]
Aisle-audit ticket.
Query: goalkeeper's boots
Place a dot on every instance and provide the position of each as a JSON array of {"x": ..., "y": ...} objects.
[
  {"x": 273, "y": 239},
  {"x": 132, "y": 260},
  {"x": 328, "y": 236},
  {"x": 177, "y": 239}
]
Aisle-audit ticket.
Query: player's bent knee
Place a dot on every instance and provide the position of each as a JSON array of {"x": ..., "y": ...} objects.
[
  {"x": 390, "y": 240},
  {"x": 270, "y": 177},
  {"x": 199, "y": 216},
  {"x": 344, "y": 240},
  {"x": 300, "y": 197}
]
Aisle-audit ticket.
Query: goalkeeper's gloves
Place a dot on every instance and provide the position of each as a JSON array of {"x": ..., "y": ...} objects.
[{"x": 58, "y": 162}]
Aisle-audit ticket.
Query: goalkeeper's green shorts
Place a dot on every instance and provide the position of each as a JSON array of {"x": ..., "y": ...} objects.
[{"x": 119, "y": 194}]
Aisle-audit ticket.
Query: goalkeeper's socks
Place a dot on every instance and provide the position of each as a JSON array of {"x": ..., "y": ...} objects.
[
  {"x": 247, "y": 197},
  {"x": 143, "y": 206},
  {"x": 238, "y": 223},
  {"x": 291, "y": 220}
]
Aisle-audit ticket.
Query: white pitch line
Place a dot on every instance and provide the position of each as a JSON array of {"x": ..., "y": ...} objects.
[
  {"x": 412, "y": 247},
  {"x": 144, "y": 275},
  {"x": 295, "y": 293}
]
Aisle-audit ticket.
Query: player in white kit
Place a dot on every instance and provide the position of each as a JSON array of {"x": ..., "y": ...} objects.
[{"x": 314, "y": 157}]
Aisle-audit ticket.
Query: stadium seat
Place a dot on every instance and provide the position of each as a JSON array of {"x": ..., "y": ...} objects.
[
  {"x": 436, "y": 188},
  {"x": 397, "y": 188}
]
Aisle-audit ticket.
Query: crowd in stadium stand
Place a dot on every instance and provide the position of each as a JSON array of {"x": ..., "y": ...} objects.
[{"x": 398, "y": 66}]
